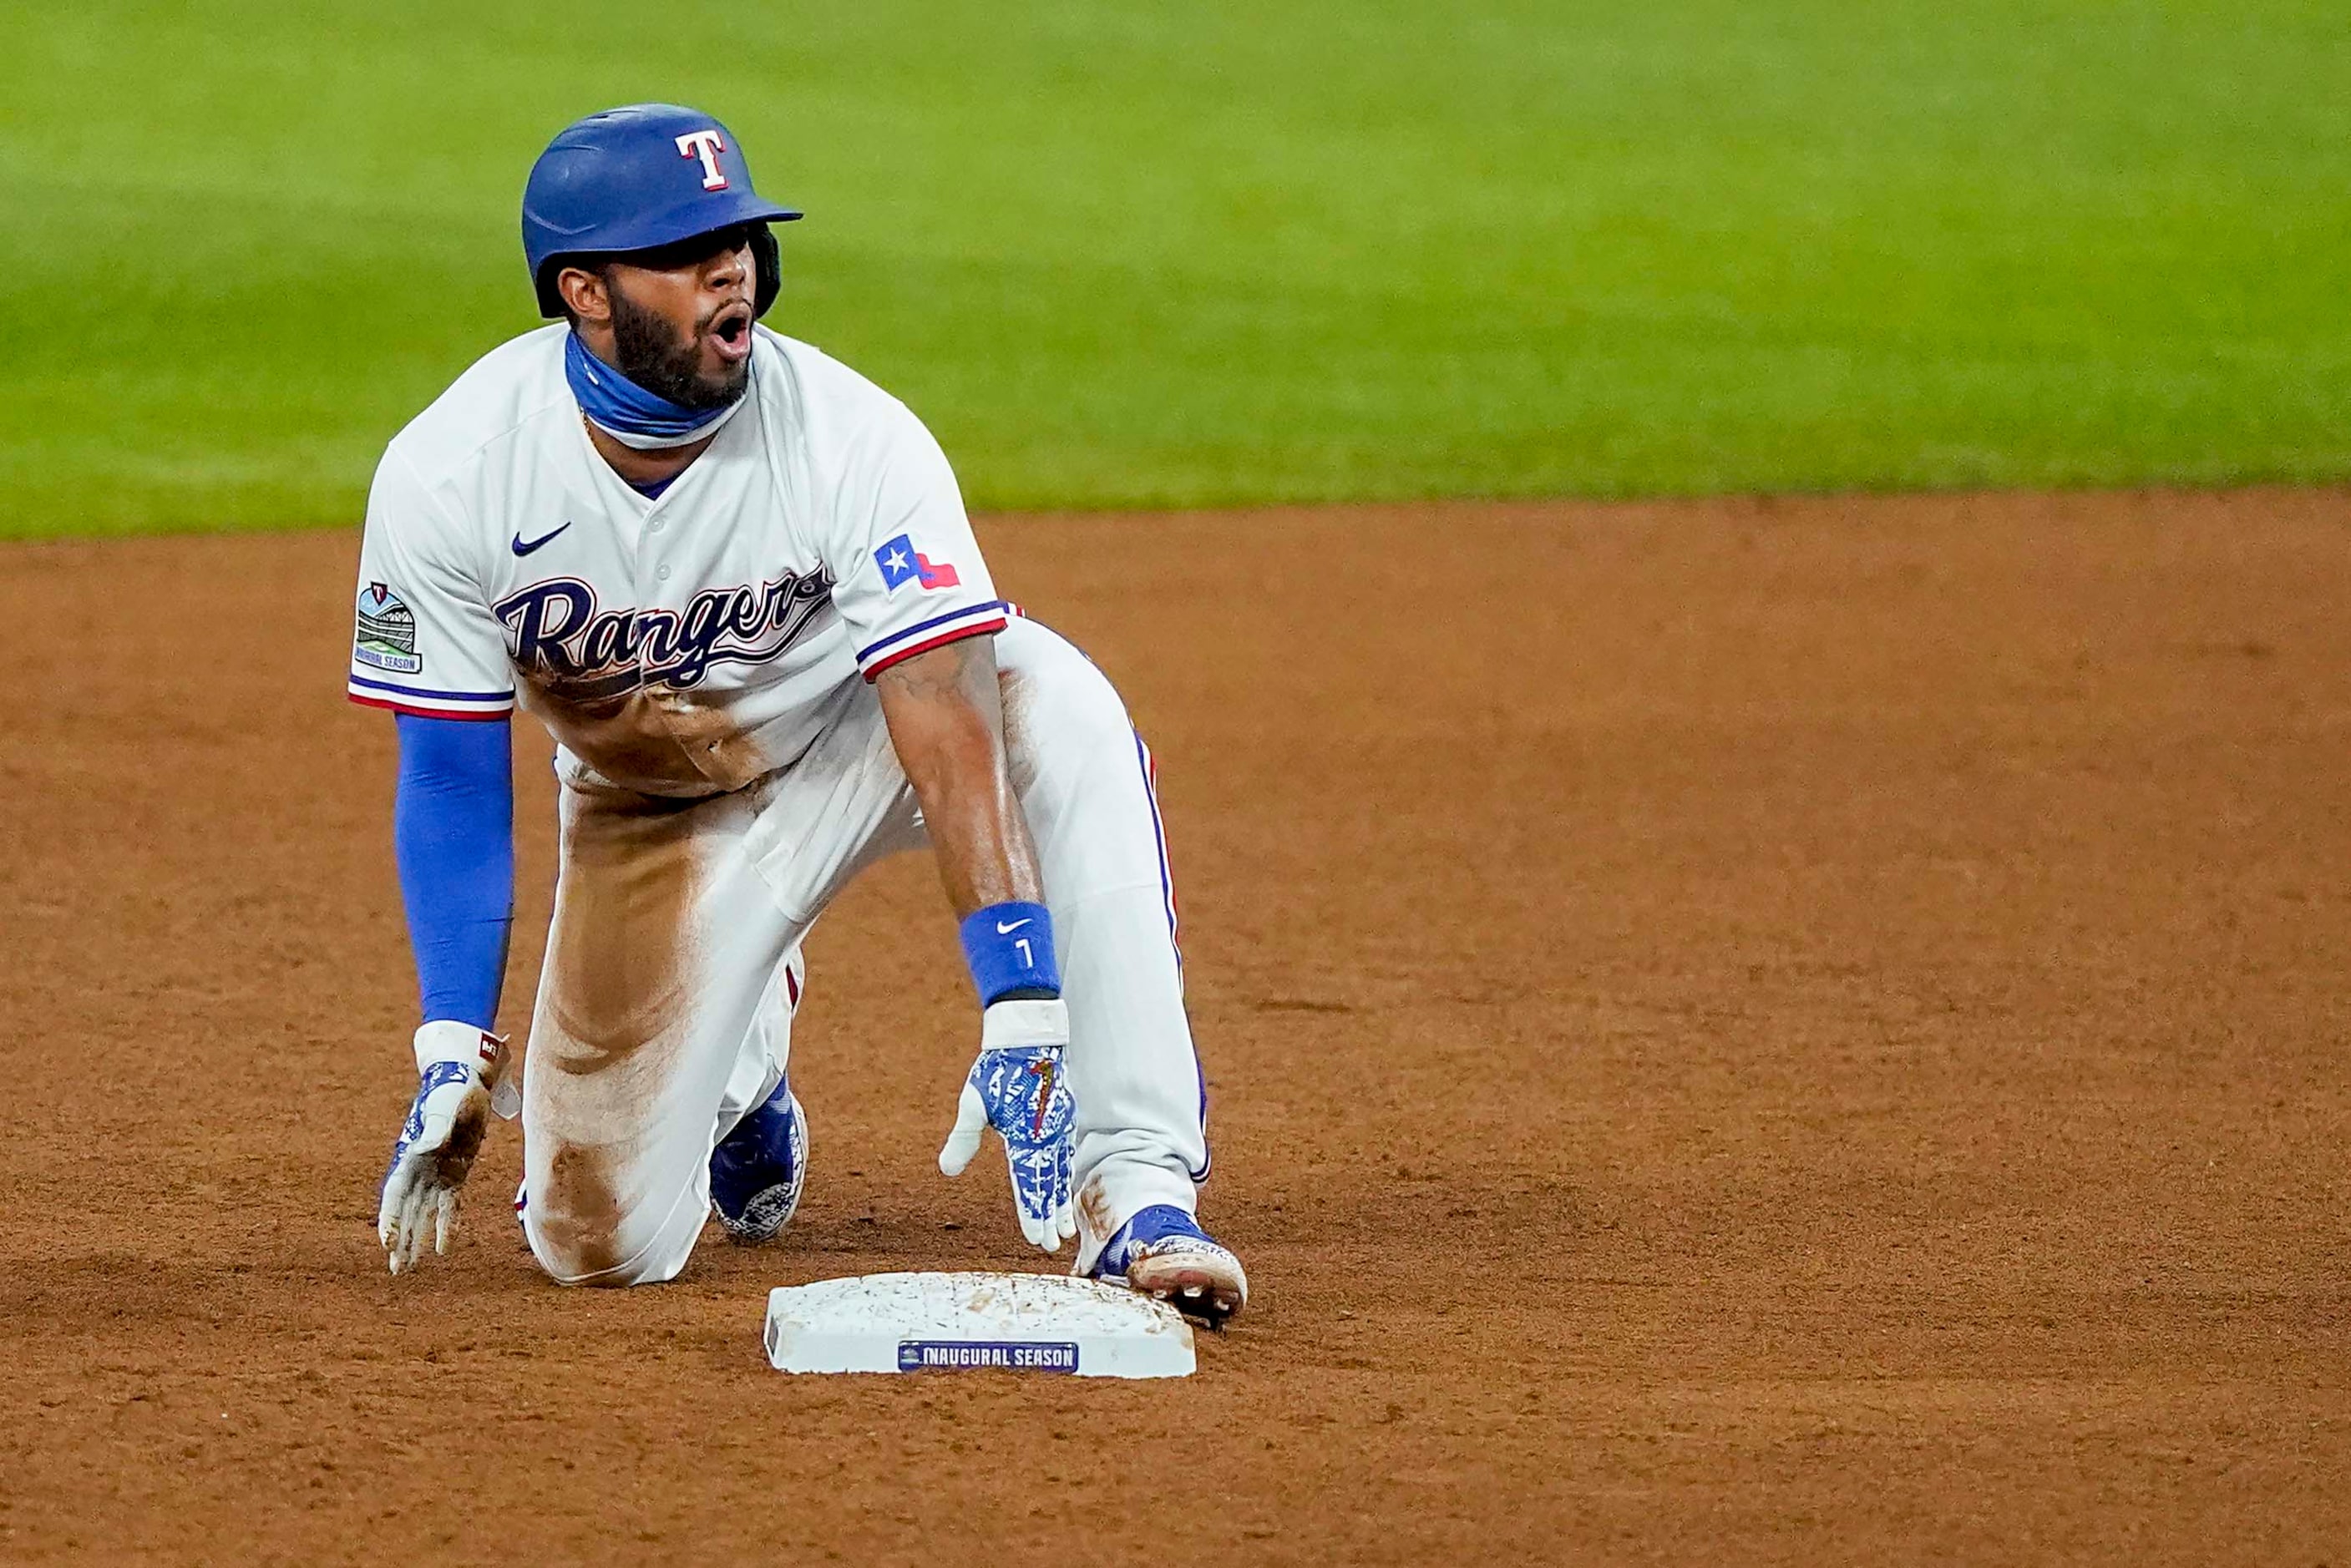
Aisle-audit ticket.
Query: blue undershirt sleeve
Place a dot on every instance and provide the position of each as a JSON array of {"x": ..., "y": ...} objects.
[{"x": 453, "y": 835}]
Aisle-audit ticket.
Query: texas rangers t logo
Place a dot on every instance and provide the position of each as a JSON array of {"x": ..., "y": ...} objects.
[
  {"x": 901, "y": 564},
  {"x": 706, "y": 145}
]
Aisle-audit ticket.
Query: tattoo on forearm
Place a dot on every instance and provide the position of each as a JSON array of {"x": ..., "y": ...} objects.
[{"x": 945, "y": 710}]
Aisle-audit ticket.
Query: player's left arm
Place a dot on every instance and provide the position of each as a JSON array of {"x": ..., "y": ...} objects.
[{"x": 946, "y": 711}]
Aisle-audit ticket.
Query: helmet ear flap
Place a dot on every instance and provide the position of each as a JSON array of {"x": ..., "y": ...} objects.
[{"x": 768, "y": 262}]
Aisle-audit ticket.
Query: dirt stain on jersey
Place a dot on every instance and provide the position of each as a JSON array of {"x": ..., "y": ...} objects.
[
  {"x": 616, "y": 1005},
  {"x": 653, "y": 740},
  {"x": 616, "y": 961},
  {"x": 579, "y": 1209},
  {"x": 1096, "y": 1223},
  {"x": 710, "y": 741}
]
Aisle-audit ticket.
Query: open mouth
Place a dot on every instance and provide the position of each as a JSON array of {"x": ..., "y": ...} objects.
[{"x": 730, "y": 333}]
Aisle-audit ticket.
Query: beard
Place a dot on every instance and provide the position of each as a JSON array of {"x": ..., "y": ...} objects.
[{"x": 653, "y": 357}]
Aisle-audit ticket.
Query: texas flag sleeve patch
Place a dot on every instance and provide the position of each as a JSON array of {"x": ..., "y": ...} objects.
[
  {"x": 901, "y": 564},
  {"x": 912, "y": 602}
]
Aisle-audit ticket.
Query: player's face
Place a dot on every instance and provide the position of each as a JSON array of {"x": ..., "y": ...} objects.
[{"x": 681, "y": 319}]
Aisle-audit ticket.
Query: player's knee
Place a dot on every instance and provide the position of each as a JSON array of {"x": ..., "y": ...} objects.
[
  {"x": 586, "y": 1229},
  {"x": 1064, "y": 711},
  {"x": 569, "y": 1262}
]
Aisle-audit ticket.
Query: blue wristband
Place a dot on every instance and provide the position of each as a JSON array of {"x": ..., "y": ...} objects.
[{"x": 1009, "y": 947}]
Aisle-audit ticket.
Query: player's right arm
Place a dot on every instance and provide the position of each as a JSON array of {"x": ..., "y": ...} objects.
[
  {"x": 453, "y": 837},
  {"x": 426, "y": 646}
]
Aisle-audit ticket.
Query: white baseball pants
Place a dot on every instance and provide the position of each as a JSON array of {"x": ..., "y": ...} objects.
[{"x": 665, "y": 1006}]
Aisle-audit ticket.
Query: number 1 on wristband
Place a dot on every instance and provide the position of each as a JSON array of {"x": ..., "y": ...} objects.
[{"x": 1009, "y": 947}]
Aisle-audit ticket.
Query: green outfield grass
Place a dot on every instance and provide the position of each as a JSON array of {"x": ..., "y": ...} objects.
[{"x": 1222, "y": 252}]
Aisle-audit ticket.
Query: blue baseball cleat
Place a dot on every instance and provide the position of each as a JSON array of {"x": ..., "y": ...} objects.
[
  {"x": 758, "y": 1171},
  {"x": 1162, "y": 1252}
]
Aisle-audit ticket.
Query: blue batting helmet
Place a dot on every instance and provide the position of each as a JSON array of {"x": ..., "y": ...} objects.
[{"x": 634, "y": 178}]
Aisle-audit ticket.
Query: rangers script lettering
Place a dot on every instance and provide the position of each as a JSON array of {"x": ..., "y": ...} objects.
[{"x": 553, "y": 630}]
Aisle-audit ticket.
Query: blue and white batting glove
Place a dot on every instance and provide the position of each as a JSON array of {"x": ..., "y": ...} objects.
[
  {"x": 1017, "y": 1087},
  {"x": 462, "y": 1078}
]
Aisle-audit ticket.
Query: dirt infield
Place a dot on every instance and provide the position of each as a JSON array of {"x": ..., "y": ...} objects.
[{"x": 1738, "y": 1032}]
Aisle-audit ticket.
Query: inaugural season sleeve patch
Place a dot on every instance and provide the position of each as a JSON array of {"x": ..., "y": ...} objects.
[{"x": 386, "y": 638}]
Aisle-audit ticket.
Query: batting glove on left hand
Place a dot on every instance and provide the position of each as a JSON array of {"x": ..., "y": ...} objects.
[
  {"x": 462, "y": 1078},
  {"x": 1017, "y": 1087}
]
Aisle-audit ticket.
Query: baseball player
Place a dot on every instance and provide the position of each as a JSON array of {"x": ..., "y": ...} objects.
[{"x": 735, "y": 580}]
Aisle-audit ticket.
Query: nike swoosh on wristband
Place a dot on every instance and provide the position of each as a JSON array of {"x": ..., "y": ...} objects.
[
  {"x": 523, "y": 548},
  {"x": 1004, "y": 930}
]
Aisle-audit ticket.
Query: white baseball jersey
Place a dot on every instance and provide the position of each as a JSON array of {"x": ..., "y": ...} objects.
[{"x": 680, "y": 645}]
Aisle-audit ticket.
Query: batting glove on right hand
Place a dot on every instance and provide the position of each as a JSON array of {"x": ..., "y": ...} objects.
[
  {"x": 462, "y": 1078},
  {"x": 1017, "y": 1087}
]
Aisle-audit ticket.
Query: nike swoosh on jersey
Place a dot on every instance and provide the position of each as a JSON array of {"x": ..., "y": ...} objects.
[
  {"x": 524, "y": 547},
  {"x": 1004, "y": 930}
]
